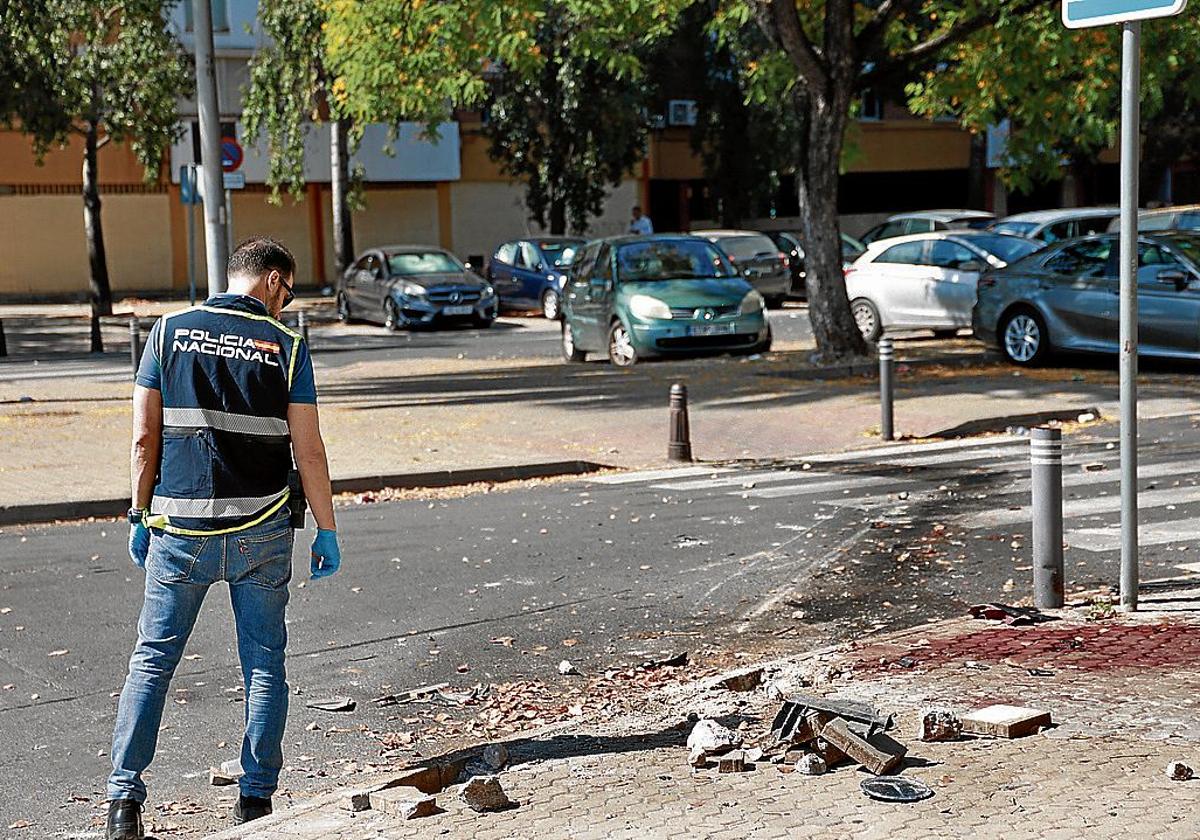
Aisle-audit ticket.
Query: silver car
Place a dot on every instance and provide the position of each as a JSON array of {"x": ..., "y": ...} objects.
[
  {"x": 927, "y": 221},
  {"x": 1064, "y": 297},
  {"x": 1179, "y": 217},
  {"x": 1056, "y": 225}
]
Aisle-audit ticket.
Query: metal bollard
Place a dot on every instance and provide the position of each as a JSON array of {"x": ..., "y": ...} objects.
[
  {"x": 886, "y": 390},
  {"x": 302, "y": 325},
  {"x": 680, "y": 446},
  {"x": 135, "y": 343},
  {"x": 1045, "y": 455},
  {"x": 3, "y": 340}
]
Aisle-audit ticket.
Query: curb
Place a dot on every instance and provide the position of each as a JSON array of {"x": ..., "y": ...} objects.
[
  {"x": 1000, "y": 424},
  {"x": 55, "y": 511},
  {"x": 871, "y": 369}
]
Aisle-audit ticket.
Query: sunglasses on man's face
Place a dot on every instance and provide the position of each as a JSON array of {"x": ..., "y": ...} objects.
[{"x": 289, "y": 296}]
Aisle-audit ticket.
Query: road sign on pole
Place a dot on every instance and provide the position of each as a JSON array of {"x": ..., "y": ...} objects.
[
  {"x": 231, "y": 154},
  {"x": 1078, "y": 14}
]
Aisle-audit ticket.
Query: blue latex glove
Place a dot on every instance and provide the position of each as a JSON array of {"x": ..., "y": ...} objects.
[
  {"x": 139, "y": 544},
  {"x": 326, "y": 554}
]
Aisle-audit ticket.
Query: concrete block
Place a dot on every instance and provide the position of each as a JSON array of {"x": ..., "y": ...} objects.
[
  {"x": 879, "y": 755},
  {"x": 1003, "y": 721},
  {"x": 404, "y": 803},
  {"x": 484, "y": 793}
]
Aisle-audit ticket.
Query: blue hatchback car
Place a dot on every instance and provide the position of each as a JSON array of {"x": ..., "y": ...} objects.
[{"x": 529, "y": 273}]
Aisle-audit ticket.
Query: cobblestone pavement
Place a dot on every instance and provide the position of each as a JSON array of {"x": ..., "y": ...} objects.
[{"x": 1119, "y": 718}]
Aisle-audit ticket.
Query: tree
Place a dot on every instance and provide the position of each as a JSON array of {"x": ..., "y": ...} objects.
[
  {"x": 571, "y": 129},
  {"x": 823, "y": 56},
  {"x": 105, "y": 72},
  {"x": 1060, "y": 91},
  {"x": 289, "y": 91},
  {"x": 743, "y": 140}
]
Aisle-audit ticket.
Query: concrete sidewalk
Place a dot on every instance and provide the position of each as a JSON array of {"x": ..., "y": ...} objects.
[{"x": 1121, "y": 691}]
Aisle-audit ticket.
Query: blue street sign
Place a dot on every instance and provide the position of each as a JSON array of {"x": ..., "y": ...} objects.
[
  {"x": 1078, "y": 14},
  {"x": 188, "y": 192}
]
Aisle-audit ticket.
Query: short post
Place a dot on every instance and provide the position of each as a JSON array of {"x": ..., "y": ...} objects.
[
  {"x": 886, "y": 389},
  {"x": 302, "y": 325},
  {"x": 680, "y": 446},
  {"x": 3, "y": 340},
  {"x": 135, "y": 343},
  {"x": 1045, "y": 455}
]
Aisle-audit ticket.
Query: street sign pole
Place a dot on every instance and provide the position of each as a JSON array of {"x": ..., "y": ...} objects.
[
  {"x": 216, "y": 244},
  {"x": 1131, "y": 35},
  {"x": 191, "y": 167}
]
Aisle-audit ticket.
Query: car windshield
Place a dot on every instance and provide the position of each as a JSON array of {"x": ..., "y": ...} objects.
[
  {"x": 561, "y": 254},
  {"x": 1188, "y": 246},
  {"x": 423, "y": 262},
  {"x": 1007, "y": 248},
  {"x": 670, "y": 259},
  {"x": 747, "y": 247},
  {"x": 1015, "y": 228}
]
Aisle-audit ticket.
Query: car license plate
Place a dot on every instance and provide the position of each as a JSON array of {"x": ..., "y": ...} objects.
[
  {"x": 711, "y": 329},
  {"x": 458, "y": 310}
]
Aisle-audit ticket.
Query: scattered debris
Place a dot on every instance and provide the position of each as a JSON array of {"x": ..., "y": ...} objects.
[
  {"x": 567, "y": 669},
  {"x": 1039, "y": 672},
  {"x": 747, "y": 681},
  {"x": 1099, "y": 609},
  {"x": 1086, "y": 417},
  {"x": 1094, "y": 466},
  {"x": 495, "y": 756},
  {"x": 698, "y": 757},
  {"x": 713, "y": 738},
  {"x": 678, "y": 660},
  {"x": 405, "y": 803},
  {"x": 895, "y": 789},
  {"x": 333, "y": 704},
  {"x": 463, "y": 698},
  {"x": 939, "y": 725},
  {"x": 1177, "y": 771},
  {"x": 685, "y": 541},
  {"x": 355, "y": 800},
  {"x": 227, "y": 774},
  {"x": 811, "y": 764},
  {"x": 753, "y": 755},
  {"x": 1014, "y": 616},
  {"x": 1004, "y": 721},
  {"x": 410, "y": 696},
  {"x": 484, "y": 793},
  {"x": 732, "y": 762}
]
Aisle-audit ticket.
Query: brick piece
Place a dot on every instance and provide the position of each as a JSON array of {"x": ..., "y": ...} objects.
[
  {"x": 747, "y": 681},
  {"x": 404, "y": 803},
  {"x": 939, "y": 725},
  {"x": 484, "y": 793},
  {"x": 879, "y": 755},
  {"x": 732, "y": 762},
  {"x": 831, "y": 754},
  {"x": 1005, "y": 721},
  {"x": 355, "y": 800}
]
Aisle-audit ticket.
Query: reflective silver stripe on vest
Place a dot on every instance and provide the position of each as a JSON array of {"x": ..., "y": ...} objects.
[
  {"x": 212, "y": 508},
  {"x": 207, "y": 418}
]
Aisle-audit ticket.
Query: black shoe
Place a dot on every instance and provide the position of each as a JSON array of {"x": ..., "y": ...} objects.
[
  {"x": 124, "y": 820},
  {"x": 250, "y": 808}
]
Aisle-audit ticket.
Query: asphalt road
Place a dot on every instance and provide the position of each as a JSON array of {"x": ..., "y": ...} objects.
[{"x": 627, "y": 565}]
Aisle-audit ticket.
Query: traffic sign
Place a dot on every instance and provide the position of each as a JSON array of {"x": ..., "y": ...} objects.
[
  {"x": 189, "y": 192},
  {"x": 231, "y": 154},
  {"x": 234, "y": 180},
  {"x": 1077, "y": 14}
]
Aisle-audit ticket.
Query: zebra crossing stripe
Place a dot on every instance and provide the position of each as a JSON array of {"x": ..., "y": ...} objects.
[
  {"x": 1151, "y": 533},
  {"x": 1082, "y": 507},
  {"x": 658, "y": 475}
]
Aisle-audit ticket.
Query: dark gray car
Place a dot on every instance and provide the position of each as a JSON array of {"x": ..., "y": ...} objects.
[
  {"x": 1064, "y": 297},
  {"x": 757, "y": 259}
]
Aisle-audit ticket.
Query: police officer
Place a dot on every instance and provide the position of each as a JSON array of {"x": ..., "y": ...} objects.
[{"x": 224, "y": 398}]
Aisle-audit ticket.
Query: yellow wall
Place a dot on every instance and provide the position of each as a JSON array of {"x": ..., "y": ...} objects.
[
  {"x": 116, "y": 163},
  {"x": 905, "y": 145},
  {"x": 44, "y": 251}
]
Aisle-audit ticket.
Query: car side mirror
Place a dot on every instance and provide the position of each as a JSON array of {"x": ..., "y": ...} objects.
[
  {"x": 971, "y": 265},
  {"x": 1174, "y": 277}
]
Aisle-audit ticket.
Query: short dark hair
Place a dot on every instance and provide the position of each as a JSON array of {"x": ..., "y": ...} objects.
[{"x": 260, "y": 255}]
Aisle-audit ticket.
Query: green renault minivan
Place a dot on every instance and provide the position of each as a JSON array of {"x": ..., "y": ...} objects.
[{"x": 632, "y": 297}]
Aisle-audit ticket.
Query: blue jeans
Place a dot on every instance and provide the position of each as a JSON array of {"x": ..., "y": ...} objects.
[{"x": 257, "y": 564}]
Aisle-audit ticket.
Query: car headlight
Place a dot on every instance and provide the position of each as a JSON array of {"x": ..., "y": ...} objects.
[
  {"x": 646, "y": 308},
  {"x": 752, "y": 304},
  {"x": 412, "y": 290},
  {"x": 489, "y": 291}
]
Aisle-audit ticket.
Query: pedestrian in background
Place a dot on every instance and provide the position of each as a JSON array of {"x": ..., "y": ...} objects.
[
  {"x": 224, "y": 398},
  {"x": 640, "y": 224}
]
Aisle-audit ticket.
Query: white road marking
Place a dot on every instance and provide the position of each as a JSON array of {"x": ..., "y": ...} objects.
[
  {"x": 658, "y": 475},
  {"x": 1083, "y": 507},
  {"x": 1151, "y": 533}
]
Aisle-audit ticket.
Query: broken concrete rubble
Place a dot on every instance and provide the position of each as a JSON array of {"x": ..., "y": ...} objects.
[
  {"x": 1177, "y": 771},
  {"x": 939, "y": 725},
  {"x": 732, "y": 762},
  {"x": 227, "y": 774},
  {"x": 495, "y": 756},
  {"x": 713, "y": 738},
  {"x": 811, "y": 764},
  {"x": 484, "y": 793},
  {"x": 747, "y": 681},
  {"x": 877, "y": 752},
  {"x": 404, "y": 803},
  {"x": 1003, "y": 721}
]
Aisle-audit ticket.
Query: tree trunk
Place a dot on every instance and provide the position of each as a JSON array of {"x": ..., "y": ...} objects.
[
  {"x": 822, "y": 130},
  {"x": 343, "y": 219},
  {"x": 558, "y": 213},
  {"x": 99, "y": 291},
  {"x": 977, "y": 172}
]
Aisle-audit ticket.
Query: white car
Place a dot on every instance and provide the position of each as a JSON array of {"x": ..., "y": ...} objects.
[{"x": 926, "y": 281}]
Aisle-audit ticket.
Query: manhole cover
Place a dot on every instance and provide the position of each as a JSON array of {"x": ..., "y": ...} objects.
[{"x": 895, "y": 789}]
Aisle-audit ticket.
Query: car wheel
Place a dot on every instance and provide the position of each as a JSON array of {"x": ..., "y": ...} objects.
[
  {"x": 550, "y": 305},
  {"x": 621, "y": 351},
  {"x": 1023, "y": 338},
  {"x": 343, "y": 308},
  {"x": 867, "y": 318},
  {"x": 570, "y": 352},
  {"x": 391, "y": 316}
]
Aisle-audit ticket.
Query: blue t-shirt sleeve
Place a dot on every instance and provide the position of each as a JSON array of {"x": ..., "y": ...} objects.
[
  {"x": 304, "y": 384},
  {"x": 149, "y": 374}
]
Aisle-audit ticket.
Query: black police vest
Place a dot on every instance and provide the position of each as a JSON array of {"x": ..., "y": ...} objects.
[{"x": 227, "y": 372}]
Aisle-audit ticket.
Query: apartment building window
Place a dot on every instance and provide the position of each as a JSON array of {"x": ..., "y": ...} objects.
[
  {"x": 220, "y": 15},
  {"x": 870, "y": 106}
]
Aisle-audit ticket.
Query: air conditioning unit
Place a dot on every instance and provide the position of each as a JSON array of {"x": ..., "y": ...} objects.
[{"x": 681, "y": 112}]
